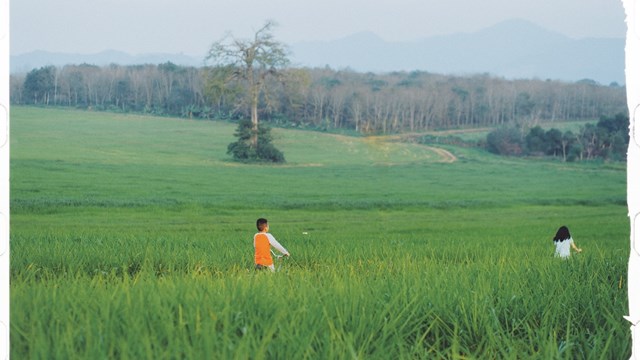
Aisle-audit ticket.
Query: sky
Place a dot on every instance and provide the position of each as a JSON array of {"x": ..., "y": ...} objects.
[{"x": 191, "y": 26}]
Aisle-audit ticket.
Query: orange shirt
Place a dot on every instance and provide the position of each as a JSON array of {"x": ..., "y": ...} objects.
[
  {"x": 262, "y": 242},
  {"x": 263, "y": 249}
]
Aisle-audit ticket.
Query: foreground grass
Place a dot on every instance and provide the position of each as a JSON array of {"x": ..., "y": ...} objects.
[
  {"x": 405, "y": 305},
  {"x": 131, "y": 238}
]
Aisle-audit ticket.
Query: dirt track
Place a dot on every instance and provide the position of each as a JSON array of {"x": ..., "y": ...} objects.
[{"x": 445, "y": 156}]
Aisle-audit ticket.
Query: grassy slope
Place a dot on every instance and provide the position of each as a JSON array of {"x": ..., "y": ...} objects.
[{"x": 127, "y": 206}]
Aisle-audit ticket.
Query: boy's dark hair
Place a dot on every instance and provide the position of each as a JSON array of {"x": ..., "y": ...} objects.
[
  {"x": 261, "y": 223},
  {"x": 562, "y": 234}
]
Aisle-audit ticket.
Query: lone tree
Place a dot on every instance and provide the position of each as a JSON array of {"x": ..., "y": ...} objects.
[{"x": 242, "y": 67}]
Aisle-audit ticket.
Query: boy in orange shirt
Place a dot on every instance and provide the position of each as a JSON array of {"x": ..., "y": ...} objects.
[{"x": 262, "y": 242}]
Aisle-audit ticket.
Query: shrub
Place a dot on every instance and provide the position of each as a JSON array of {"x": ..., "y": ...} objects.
[
  {"x": 505, "y": 141},
  {"x": 243, "y": 149}
]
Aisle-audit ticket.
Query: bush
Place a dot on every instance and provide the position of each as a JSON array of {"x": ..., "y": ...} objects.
[
  {"x": 505, "y": 141},
  {"x": 243, "y": 149}
]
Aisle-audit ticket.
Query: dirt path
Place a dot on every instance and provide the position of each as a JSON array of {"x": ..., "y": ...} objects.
[{"x": 445, "y": 155}]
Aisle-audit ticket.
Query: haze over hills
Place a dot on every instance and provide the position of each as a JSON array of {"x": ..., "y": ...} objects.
[
  {"x": 512, "y": 49},
  {"x": 26, "y": 62}
]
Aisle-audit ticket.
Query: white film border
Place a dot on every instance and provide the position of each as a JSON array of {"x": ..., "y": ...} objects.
[
  {"x": 4, "y": 180},
  {"x": 632, "y": 74},
  {"x": 636, "y": 16},
  {"x": 4, "y": 341}
]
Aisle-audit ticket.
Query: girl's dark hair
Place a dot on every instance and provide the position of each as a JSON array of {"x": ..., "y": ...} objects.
[{"x": 562, "y": 234}]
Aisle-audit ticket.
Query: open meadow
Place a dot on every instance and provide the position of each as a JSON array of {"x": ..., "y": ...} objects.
[{"x": 131, "y": 237}]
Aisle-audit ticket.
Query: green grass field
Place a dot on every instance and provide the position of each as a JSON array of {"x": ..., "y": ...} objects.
[{"x": 131, "y": 237}]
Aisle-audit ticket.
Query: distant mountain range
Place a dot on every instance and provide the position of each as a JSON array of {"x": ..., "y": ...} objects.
[{"x": 514, "y": 49}]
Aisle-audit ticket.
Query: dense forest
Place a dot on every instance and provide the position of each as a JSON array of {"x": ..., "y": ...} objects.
[
  {"x": 322, "y": 98},
  {"x": 608, "y": 139}
]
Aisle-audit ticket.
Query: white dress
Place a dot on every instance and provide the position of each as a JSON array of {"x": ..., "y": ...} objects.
[{"x": 563, "y": 248}]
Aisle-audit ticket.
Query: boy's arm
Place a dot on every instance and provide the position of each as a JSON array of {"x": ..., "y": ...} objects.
[{"x": 277, "y": 245}]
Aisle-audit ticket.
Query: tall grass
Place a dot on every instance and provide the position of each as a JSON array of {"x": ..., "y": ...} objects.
[
  {"x": 131, "y": 238},
  {"x": 346, "y": 301}
]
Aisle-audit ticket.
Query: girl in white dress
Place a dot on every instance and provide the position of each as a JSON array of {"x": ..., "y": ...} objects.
[{"x": 564, "y": 243}]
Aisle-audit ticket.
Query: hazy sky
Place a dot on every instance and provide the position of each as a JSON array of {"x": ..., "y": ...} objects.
[{"x": 190, "y": 26}]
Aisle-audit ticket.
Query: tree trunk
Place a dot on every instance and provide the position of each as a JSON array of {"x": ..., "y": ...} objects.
[
  {"x": 254, "y": 91},
  {"x": 254, "y": 118}
]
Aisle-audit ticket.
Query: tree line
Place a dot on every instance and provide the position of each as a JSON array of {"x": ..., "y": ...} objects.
[
  {"x": 608, "y": 139},
  {"x": 321, "y": 98},
  {"x": 165, "y": 89}
]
